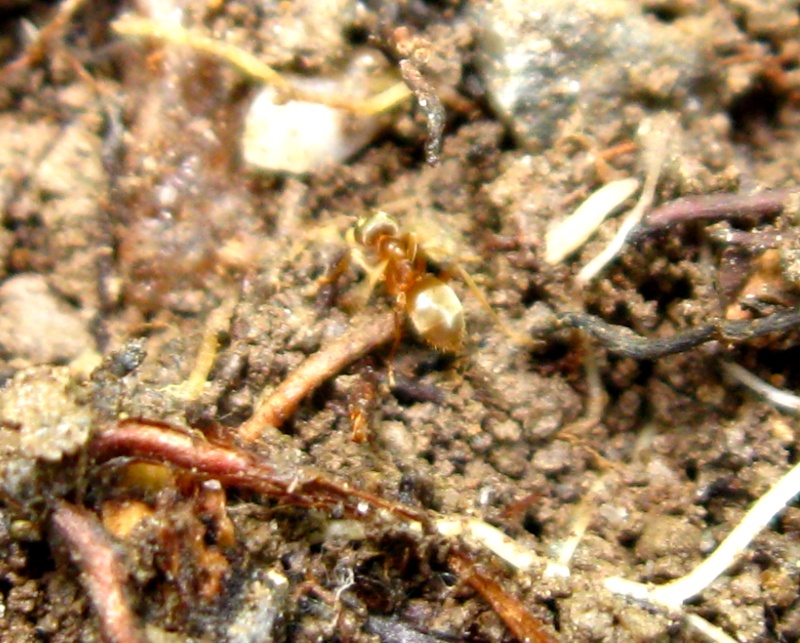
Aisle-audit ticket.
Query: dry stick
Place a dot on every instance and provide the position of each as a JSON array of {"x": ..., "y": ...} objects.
[
  {"x": 516, "y": 617},
  {"x": 101, "y": 572},
  {"x": 715, "y": 207},
  {"x": 158, "y": 442},
  {"x": 273, "y": 409}
]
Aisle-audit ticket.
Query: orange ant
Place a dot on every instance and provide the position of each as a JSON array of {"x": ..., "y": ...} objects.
[{"x": 396, "y": 258}]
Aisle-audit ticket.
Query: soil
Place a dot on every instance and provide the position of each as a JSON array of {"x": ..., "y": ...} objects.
[{"x": 135, "y": 242}]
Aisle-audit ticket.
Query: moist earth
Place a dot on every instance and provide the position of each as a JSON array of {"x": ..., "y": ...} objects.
[{"x": 138, "y": 245}]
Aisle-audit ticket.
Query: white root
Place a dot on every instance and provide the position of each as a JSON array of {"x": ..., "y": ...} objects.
[
  {"x": 656, "y": 132},
  {"x": 784, "y": 400},
  {"x": 673, "y": 594}
]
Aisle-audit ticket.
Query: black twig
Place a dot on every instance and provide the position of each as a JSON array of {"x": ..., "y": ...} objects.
[{"x": 621, "y": 340}]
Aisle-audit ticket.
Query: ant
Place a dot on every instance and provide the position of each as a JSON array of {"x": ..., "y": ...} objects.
[{"x": 387, "y": 254}]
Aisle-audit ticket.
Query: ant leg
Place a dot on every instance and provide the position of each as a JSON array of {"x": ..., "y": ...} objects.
[
  {"x": 360, "y": 296},
  {"x": 399, "y": 316},
  {"x": 518, "y": 338}
]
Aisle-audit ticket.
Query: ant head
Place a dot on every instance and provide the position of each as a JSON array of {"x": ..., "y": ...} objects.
[{"x": 372, "y": 227}]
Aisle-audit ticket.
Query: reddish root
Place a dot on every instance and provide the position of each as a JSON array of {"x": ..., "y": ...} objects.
[
  {"x": 101, "y": 572},
  {"x": 716, "y": 207},
  {"x": 157, "y": 442},
  {"x": 273, "y": 409}
]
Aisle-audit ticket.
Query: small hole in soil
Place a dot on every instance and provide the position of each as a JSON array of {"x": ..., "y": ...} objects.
[
  {"x": 532, "y": 294},
  {"x": 532, "y": 525},
  {"x": 428, "y": 456},
  {"x": 691, "y": 471},
  {"x": 755, "y": 111},
  {"x": 39, "y": 560},
  {"x": 552, "y": 355},
  {"x": 664, "y": 14},
  {"x": 552, "y": 605},
  {"x": 665, "y": 292}
]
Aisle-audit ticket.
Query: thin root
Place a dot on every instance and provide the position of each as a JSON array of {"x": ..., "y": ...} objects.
[
  {"x": 675, "y": 593},
  {"x": 101, "y": 572},
  {"x": 716, "y": 207},
  {"x": 654, "y": 155},
  {"x": 252, "y": 67},
  {"x": 784, "y": 400},
  {"x": 273, "y": 409},
  {"x": 218, "y": 321}
]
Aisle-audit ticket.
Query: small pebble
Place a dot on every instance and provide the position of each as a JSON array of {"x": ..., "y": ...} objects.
[
  {"x": 299, "y": 137},
  {"x": 37, "y": 326},
  {"x": 555, "y": 61}
]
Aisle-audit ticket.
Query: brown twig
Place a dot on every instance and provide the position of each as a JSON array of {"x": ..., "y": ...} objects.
[
  {"x": 715, "y": 207},
  {"x": 273, "y": 409},
  {"x": 101, "y": 572},
  {"x": 299, "y": 486},
  {"x": 524, "y": 626}
]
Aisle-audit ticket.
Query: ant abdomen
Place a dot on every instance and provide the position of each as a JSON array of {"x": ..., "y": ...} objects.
[{"x": 436, "y": 314}]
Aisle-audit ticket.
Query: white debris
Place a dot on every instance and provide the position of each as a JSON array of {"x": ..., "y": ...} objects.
[
  {"x": 301, "y": 137},
  {"x": 566, "y": 236}
]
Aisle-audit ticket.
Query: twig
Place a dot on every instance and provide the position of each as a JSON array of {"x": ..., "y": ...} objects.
[
  {"x": 157, "y": 442},
  {"x": 715, "y": 207},
  {"x": 621, "y": 340},
  {"x": 518, "y": 620},
  {"x": 101, "y": 572},
  {"x": 273, "y": 409}
]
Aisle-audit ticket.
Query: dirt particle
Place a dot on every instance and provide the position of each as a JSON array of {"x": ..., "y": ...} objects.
[
  {"x": 670, "y": 540},
  {"x": 39, "y": 404},
  {"x": 37, "y": 326}
]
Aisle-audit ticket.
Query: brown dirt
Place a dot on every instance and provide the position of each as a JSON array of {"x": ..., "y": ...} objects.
[{"x": 128, "y": 216}]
